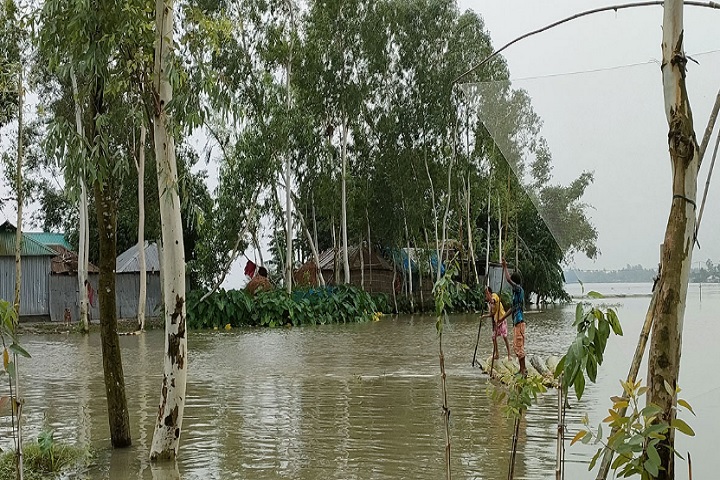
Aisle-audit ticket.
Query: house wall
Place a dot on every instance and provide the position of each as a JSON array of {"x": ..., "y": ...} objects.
[
  {"x": 34, "y": 288},
  {"x": 497, "y": 280},
  {"x": 379, "y": 281},
  {"x": 64, "y": 294},
  {"x": 127, "y": 291}
]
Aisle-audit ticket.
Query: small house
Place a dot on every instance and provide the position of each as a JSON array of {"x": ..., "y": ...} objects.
[
  {"x": 36, "y": 264},
  {"x": 127, "y": 281},
  {"x": 368, "y": 269}
]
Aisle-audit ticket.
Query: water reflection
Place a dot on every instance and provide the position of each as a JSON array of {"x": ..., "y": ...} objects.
[{"x": 340, "y": 402}]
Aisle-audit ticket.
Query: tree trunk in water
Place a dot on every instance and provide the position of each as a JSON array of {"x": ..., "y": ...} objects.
[
  {"x": 168, "y": 426},
  {"x": 83, "y": 217},
  {"x": 346, "y": 263},
  {"x": 106, "y": 209},
  {"x": 141, "y": 229},
  {"x": 669, "y": 310}
]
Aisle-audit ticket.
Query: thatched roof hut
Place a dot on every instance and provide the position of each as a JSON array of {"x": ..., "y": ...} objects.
[{"x": 368, "y": 269}]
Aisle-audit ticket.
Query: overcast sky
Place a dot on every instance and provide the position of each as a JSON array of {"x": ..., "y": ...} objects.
[{"x": 611, "y": 119}]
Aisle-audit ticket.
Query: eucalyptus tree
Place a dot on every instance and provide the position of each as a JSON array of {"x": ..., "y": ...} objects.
[
  {"x": 94, "y": 38},
  {"x": 84, "y": 227},
  {"x": 333, "y": 76},
  {"x": 12, "y": 69},
  {"x": 239, "y": 52},
  {"x": 166, "y": 437}
]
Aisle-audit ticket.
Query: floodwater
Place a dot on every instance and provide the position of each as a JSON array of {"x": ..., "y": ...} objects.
[{"x": 355, "y": 401}]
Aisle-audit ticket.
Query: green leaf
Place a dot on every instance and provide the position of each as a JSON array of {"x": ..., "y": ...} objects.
[
  {"x": 560, "y": 367},
  {"x": 685, "y": 404},
  {"x": 594, "y": 294},
  {"x": 650, "y": 410},
  {"x": 579, "y": 384},
  {"x": 17, "y": 349},
  {"x": 594, "y": 459},
  {"x": 591, "y": 367},
  {"x": 651, "y": 467},
  {"x": 653, "y": 455},
  {"x": 614, "y": 322},
  {"x": 683, "y": 427},
  {"x": 579, "y": 314}
]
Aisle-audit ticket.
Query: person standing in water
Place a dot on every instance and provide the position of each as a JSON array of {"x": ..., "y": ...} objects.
[
  {"x": 497, "y": 313},
  {"x": 518, "y": 303}
]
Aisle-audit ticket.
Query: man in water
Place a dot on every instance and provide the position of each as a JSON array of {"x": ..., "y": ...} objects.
[
  {"x": 497, "y": 313},
  {"x": 518, "y": 302}
]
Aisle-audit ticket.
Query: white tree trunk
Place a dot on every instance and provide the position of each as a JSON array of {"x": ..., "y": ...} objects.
[
  {"x": 18, "y": 268},
  {"x": 500, "y": 250},
  {"x": 83, "y": 217},
  {"x": 141, "y": 230},
  {"x": 346, "y": 262},
  {"x": 313, "y": 247},
  {"x": 172, "y": 401},
  {"x": 288, "y": 191},
  {"x": 469, "y": 231},
  {"x": 435, "y": 221}
]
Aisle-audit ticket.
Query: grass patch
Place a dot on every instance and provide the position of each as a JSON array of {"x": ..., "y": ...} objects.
[{"x": 43, "y": 461}]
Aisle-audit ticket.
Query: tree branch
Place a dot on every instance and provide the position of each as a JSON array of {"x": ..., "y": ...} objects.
[{"x": 615, "y": 8}]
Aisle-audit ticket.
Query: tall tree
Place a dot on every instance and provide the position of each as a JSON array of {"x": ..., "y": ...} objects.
[
  {"x": 668, "y": 309},
  {"x": 84, "y": 227},
  {"x": 91, "y": 33},
  {"x": 168, "y": 426}
]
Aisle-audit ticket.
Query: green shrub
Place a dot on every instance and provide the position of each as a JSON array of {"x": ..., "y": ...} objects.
[
  {"x": 341, "y": 304},
  {"x": 45, "y": 459}
]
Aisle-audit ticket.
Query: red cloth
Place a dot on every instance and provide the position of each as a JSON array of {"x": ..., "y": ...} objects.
[{"x": 250, "y": 268}]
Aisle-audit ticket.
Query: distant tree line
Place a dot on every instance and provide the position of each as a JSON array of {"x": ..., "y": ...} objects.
[{"x": 628, "y": 274}]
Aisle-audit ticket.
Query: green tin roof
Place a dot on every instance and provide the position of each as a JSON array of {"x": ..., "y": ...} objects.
[
  {"x": 30, "y": 246},
  {"x": 49, "y": 239}
]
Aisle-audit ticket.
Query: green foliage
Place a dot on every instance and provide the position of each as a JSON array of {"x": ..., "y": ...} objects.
[
  {"x": 443, "y": 294},
  {"x": 586, "y": 352},
  {"x": 637, "y": 434},
  {"x": 10, "y": 36},
  {"x": 276, "y": 308},
  {"x": 9, "y": 338},
  {"x": 521, "y": 392},
  {"x": 45, "y": 459}
]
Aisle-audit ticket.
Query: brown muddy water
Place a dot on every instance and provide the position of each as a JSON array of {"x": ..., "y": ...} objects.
[{"x": 357, "y": 401}]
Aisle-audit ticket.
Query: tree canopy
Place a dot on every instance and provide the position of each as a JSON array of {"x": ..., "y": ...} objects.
[{"x": 419, "y": 155}]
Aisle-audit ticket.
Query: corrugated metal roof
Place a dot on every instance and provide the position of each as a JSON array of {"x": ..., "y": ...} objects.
[
  {"x": 49, "y": 239},
  {"x": 30, "y": 247},
  {"x": 127, "y": 262}
]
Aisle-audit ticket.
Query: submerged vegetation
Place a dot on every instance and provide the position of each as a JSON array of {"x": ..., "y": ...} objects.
[
  {"x": 277, "y": 308},
  {"x": 312, "y": 306}
]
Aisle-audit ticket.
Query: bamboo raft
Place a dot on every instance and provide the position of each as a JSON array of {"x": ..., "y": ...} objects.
[{"x": 503, "y": 369}]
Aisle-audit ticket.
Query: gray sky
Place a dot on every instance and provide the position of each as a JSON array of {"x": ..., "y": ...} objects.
[{"x": 611, "y": 120}]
